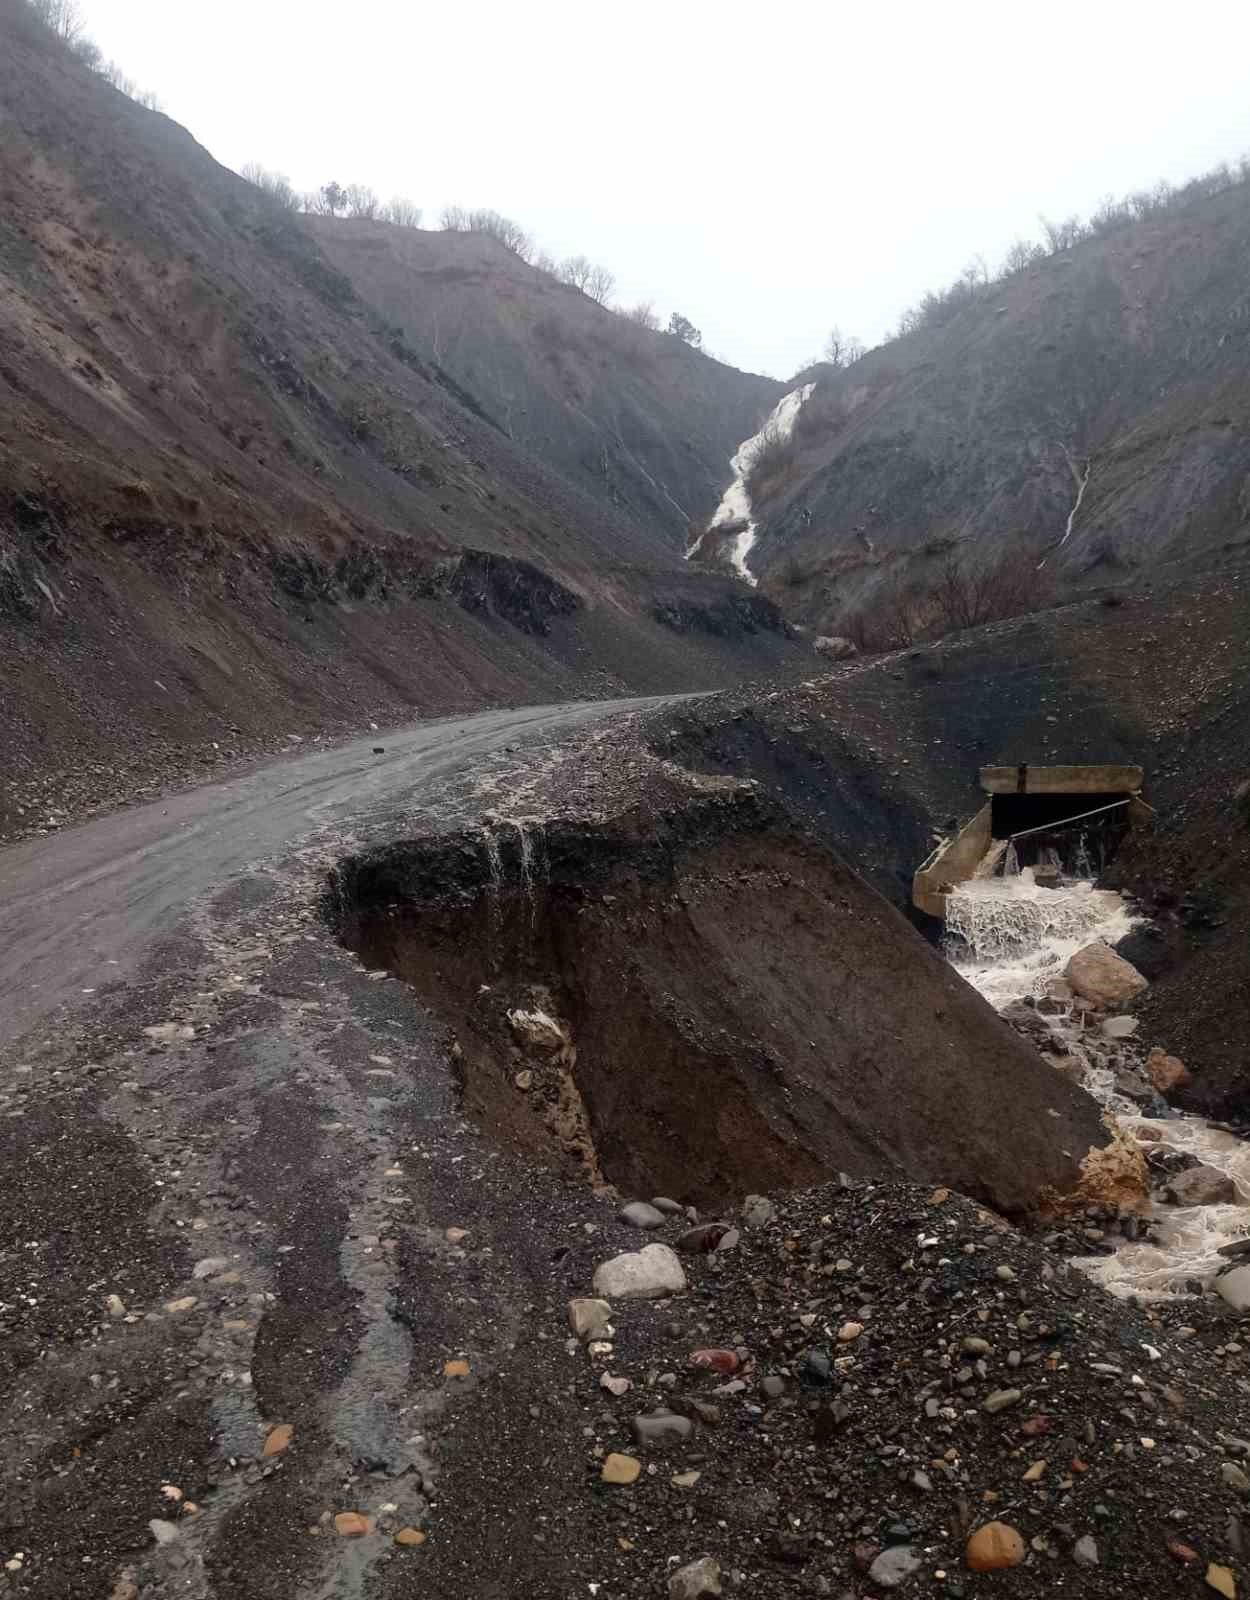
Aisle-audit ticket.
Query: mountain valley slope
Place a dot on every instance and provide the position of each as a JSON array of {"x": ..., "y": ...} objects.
[{"x": 237, "y": 506}]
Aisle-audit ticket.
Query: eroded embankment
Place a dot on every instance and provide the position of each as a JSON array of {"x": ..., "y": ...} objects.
[{"x": 699, "y": 1001}]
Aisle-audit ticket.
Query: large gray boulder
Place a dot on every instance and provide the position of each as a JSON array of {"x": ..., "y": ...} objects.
[{"x": 646, "y": 1274}]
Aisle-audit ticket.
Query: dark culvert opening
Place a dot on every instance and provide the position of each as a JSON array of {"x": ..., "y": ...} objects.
[{"x": 1078, "y": 834}]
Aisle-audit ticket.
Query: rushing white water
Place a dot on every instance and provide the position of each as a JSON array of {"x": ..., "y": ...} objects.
[
  {"x": 1189, "y": 1236},
  {"x": 735, "y": 506},
  {"x": 1011, "y": 935},
  {"x": 1010, "y": 938}
]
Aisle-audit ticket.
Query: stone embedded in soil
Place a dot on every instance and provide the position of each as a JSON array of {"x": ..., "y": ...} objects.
[
  {"x": 670, "y": 1208},
  {"x": 410, "y": 1538},
  {"x": 209, "y": 1267},
  {"x": 999, "y": 1400},
  {"x": 1120, "y": 1027},
  {"x": 993, "y": 1547},
  {"x": 163, "y": 1532},
  {"x": 177, "y": 1307},
  {"x": 646, "y": 1274},
  {"x": 1167, "y": 1072},
  {"x": 620, "y": 1469},
  {"x": 616, "y": 1386},
  {"x": 589, "y": 1318},
  {"x": 456, "y": 1235},
  {"x": 894, "y": 1566},
  {"x": 351, "y": 1525},
  {"x": 1221, "y": 1579},
  {"x": 638, "y": 1214},
  {"x": 757, "y": 1211},
  {"x": 1085, "y": 1552},
  {"x": 849, "y": 1331},
  {"x": 1202, "y": 1186},
  {"x": 455, "y": 1369},
  {"x": 1234, "y": 1287},
  {"x": 1096, "y": 973},
  {"x": 700, "y": 1580},
  {"x": 706, "y": 1236},
  {"x": 662, "y": 1428},
  {"x": 725, "y": 1361},
  {"x": 278, "y": 1438}
]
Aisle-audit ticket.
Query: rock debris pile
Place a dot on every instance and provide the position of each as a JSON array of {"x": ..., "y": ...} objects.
[{"x": 877, "y": 1387}]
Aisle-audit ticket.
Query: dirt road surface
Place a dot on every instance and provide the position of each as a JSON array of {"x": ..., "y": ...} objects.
[{"x": 231, "y": 1159}]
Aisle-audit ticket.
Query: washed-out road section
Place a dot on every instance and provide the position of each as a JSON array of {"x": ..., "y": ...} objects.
[{"x": 77, "y": 910}]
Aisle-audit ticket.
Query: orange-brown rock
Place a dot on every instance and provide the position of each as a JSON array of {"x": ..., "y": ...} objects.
[
  {"x": 1167, "y": 1072},
  {"x": 351, "y": 1525},
  {"x": 278, "y": 1438},
  {"x": 993, "y": 1547}
]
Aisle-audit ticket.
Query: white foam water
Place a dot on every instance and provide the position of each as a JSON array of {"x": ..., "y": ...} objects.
[
  {"x": 735, "y": 506},
  {"x": 1189, "y": 1236},
  {"x": 1009, "y": 937}
]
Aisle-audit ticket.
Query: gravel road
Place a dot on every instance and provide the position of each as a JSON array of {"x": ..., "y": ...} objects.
[{"x": 77, "y": 910}]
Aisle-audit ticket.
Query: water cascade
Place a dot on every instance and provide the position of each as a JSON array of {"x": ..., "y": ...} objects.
[
  {"x": 1011, "y": 936},
  {"x": 734, "y": 510}
]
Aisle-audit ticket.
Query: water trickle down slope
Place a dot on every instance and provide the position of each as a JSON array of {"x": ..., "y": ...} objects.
[{"x": 734, "y": 512}]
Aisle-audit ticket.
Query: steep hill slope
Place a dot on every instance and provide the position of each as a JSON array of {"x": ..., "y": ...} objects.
[
  {"x": 236, "y": 504},
  {"x": 636, "y": 417},
  {"x": 1113, "y": 373},
  {"x": 878, "y": 755}
]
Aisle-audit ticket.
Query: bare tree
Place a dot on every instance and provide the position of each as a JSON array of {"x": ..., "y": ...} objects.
[
  {"x": 455, "y": 219},
  {"x": 544, "y": 261},
  {"x": 575, "y": 270},
  {"x": 402, "y": 213},
  {"x": 1063, "y": 235},
  {"x": 64, "y": 17},
  {"x": 600, "y": 284},
  {"x": 841, "y": 349},
  {"x": 362, "y": 201},
  {"x": 644, "y": 314},
  {"x": 275, "y": 184},
  {"x": 1021, "y": 255}
]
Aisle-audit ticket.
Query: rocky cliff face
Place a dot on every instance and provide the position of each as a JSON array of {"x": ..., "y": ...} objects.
[{"x": 1092, "y": 410}]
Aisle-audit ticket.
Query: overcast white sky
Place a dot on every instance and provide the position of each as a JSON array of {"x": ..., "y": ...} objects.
[{"x": 768, "y": 170}]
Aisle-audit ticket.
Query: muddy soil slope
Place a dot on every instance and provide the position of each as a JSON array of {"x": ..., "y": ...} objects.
[
  {"x": 658, "y": 982},
  {"x": 236, "y": 504},
  {"x": 880, "y": 757},
  {"x": 1113, "y": 373},
  {"x": 631, "y": 416}
]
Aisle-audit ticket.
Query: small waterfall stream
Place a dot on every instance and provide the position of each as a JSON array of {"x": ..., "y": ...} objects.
[
  {"x": 735, "y": 506},
  {"x": 1010, "y": 936}
]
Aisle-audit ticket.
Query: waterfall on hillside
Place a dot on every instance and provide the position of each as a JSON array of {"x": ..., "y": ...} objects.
[{"x": 735, "y": 507}]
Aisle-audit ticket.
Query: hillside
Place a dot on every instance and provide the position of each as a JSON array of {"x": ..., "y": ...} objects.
[
  {"x": 236, "y": 504},
  {"x": 1113, "y": 371},
  {"x": 634, "y": 417}
]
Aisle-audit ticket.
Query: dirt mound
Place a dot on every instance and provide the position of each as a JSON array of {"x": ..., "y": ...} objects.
[{"x": 685, "y": 996}]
